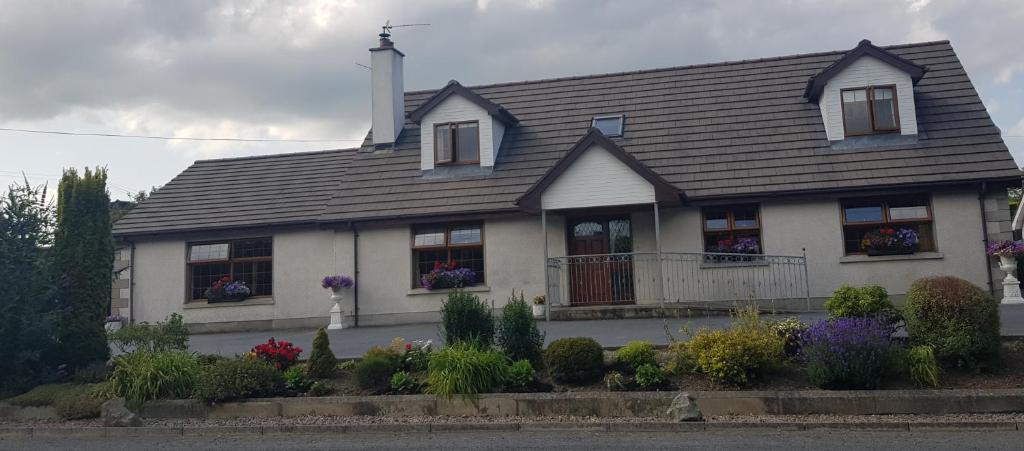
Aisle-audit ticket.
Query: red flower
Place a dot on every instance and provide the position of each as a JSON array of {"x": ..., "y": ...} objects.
[{"x": 408, "y": 346}]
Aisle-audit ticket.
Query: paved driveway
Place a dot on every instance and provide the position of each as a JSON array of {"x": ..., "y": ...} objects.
[{"x": 354, "y": 342}]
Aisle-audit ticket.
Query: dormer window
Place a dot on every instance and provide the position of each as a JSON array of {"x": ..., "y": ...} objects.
[
  {"x": 457, "y": 143},
  {"x": 870, "y": 110},
  {"x": 609, "y": 126}
]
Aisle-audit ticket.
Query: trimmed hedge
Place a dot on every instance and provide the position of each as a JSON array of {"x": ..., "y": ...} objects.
[
  {"x": 574, "y": 360},
  {"x": 957, "y": 319}
]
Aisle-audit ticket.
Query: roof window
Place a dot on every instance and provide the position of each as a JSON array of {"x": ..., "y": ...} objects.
[{"x": 608, "y": 125}]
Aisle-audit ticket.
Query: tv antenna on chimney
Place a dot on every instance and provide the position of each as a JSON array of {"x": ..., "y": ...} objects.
[{"x": 386, "y": 29}]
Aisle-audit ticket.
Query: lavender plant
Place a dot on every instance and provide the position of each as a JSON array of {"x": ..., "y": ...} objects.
[{"x": 848, "y": 353}]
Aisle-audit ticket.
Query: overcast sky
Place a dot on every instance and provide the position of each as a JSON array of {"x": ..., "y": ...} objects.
[{"x": 287, "y": 70}]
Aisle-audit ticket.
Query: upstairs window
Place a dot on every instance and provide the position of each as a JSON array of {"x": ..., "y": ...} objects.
[
  {"x": 870, "y": 110},
  {"x": 248, "y": 260},
  {"x": 447, "y": 247},
  {"x": 609, "y": 126},
  {"x": 888, "y": 225},
  {"x": 456, "y": 143},
  {"x": 732, "y": 230}
]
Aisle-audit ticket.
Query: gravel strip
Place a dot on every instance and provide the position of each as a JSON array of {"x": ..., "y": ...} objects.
[{"x": 899, "y": 418}]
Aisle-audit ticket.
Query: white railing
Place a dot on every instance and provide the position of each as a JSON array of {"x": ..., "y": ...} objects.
[{"x": 644, "y": 278}]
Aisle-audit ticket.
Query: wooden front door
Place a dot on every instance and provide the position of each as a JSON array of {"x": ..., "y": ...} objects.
[{"x": 600, "y": 269}]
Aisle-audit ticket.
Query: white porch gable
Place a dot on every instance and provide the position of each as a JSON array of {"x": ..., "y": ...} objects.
[{"x": 597, "y": 179}]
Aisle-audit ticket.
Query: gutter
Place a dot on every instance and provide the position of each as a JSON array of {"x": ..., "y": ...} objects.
[{"x": 984, "y": 236}]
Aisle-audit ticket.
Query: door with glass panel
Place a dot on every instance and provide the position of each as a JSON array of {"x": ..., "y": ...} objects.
[{"x": 600, "y": 261}]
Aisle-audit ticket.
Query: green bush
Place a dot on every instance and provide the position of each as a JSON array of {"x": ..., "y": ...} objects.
[
  {"x": 738, "y": 355},
  {"x": 49, "y": 394},
  {"x": 374, "y": 371},
  {"x": 790, "y": 330},
  {"x": 79, "y": 407},
  {"x": 518, "y": 335},
  {"x": 636, "y": 354},
  {"x": 869, "y": 300},
  {"x": 170, "y": 335},
  {"x": 464, "y": 317},
  {"x": 957, "y": 319},
  {"x": 92, "y": 373},
  {"x": 520, "y": 375},
  {"x": 922, "y": 366},
  {"x": 403, "y": 383},
  {"x": 321, "y": 388},
  {"x": 574, "y": 360},
  {"x": 616, "y": 381},
  {"x": 322, "y": 362},
  {"x": 464, "y": 369},
  {"x": 142, "y": 376},
  {"x": 680, "y": 361},
  {"x": 239, "y": 378},
  {"x": 297, "y": 378},
  {"x": 649, "y": 376}
]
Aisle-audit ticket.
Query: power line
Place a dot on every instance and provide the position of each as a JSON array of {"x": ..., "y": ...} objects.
[{"x": 117, "y": 135}]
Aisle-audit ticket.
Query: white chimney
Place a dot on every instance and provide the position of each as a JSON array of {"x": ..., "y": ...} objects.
[{"x": 388, "y": 91}]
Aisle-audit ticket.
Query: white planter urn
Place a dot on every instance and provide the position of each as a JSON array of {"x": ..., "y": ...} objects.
[
  {"x": 113, "y": 326},
  {"x": 337, "y": 313},
  {"x": 1011, "y": 285},
  {"x": 538, "y": 310}
]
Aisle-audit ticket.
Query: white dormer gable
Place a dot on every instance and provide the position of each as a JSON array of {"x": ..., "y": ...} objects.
[
  {"x": 455, "y": 110},
  {"x": 865, "y": 72}
]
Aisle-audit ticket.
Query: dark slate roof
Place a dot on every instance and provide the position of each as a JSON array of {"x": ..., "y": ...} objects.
[
  {"x": 726, "y": 130},
  {"x": 228, "y": 193},
  {"x": 817, "y": 83},
  {"x": 455, "y": 88},
  {"x": 735, "y": 129}
]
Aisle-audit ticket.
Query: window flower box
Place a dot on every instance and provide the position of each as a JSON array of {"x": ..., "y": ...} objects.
[
  {"x": 226, "y": 290},
  {"x": 447, "y": 275},
  {"x": 890, "y": 241}
]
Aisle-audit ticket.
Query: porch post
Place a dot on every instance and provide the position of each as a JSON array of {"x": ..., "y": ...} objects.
[
  {"x": 657, "y": 246},
  {"x": 547, "y": 287}
]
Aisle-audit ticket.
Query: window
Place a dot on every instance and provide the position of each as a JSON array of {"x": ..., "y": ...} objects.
[
  {"x": 457, "y": 142},
  {"x": 888, "y": 225},
  {"x": 608, "y": 125},
  {"x": 248, "y": 260},
  {"x": 870, "y": 110},
  {"x": 455, "y": 246},
  {"x": 732, "y": 229}
]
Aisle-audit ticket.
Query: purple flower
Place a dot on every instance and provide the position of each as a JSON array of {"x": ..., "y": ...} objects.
[
  {"x": 442, "y": 277},
  {"x": 847, "y": 352},
  {"x": 237, "y": 288},
  {"x": 1005, "y": 248},
  {"x": 337, "y": 282},
  {"x": 746, "y": 246}
]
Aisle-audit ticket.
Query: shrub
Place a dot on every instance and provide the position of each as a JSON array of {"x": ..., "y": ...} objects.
[
  {"x": 79, "y": 407},
  {"x": 574, "y": 360},
  {"x": 464, "y": 369},
  {"x": 374, "y": 370},
  {"x": 92, "y": 373},
  {"x": 297, "y": 379},
  {"x": 321, "y": 388},
  {"x": 416, "y": 356},
  {"x": 238, "y": 378},
  {"x": 649, "y": 376},
  {"x": 616, "y": 381},
  {"x": 848, "y": 352},
  {"x": 869, "y": 300},
  {"x": 518, "y": 335},
  {"x": 465, "y": 318},
  {"x": 739, "y": 355},
  {"x": 922, "y": 366},
  {"x": 282, "y": 354},
  {"x": 322, "y": 362},
  {"x": 636, "y": 354},
  {"x": 403, "y": 383},
  {"x": 142, "y": 376},
  {"x": 680, "y": 361},
  {"x": 957, "y": 319},
  {"x": 347, "y": 365},
  {"x": 49, "y": 394},
  {"x": 790, "y": 330},
  {"x": 170, "y": 335},
  {"x": 520, "y": 374}
]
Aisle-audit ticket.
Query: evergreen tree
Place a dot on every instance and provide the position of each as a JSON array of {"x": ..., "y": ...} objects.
[
  {"x": 83, "y": 261},
  {"x": 322, "y": 362},
  {"x": 26, "y": 226}
]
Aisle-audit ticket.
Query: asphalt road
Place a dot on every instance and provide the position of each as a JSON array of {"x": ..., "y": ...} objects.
[
  {"x": 354, "y": 342},
  {"x": 562, "y": 440}
]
